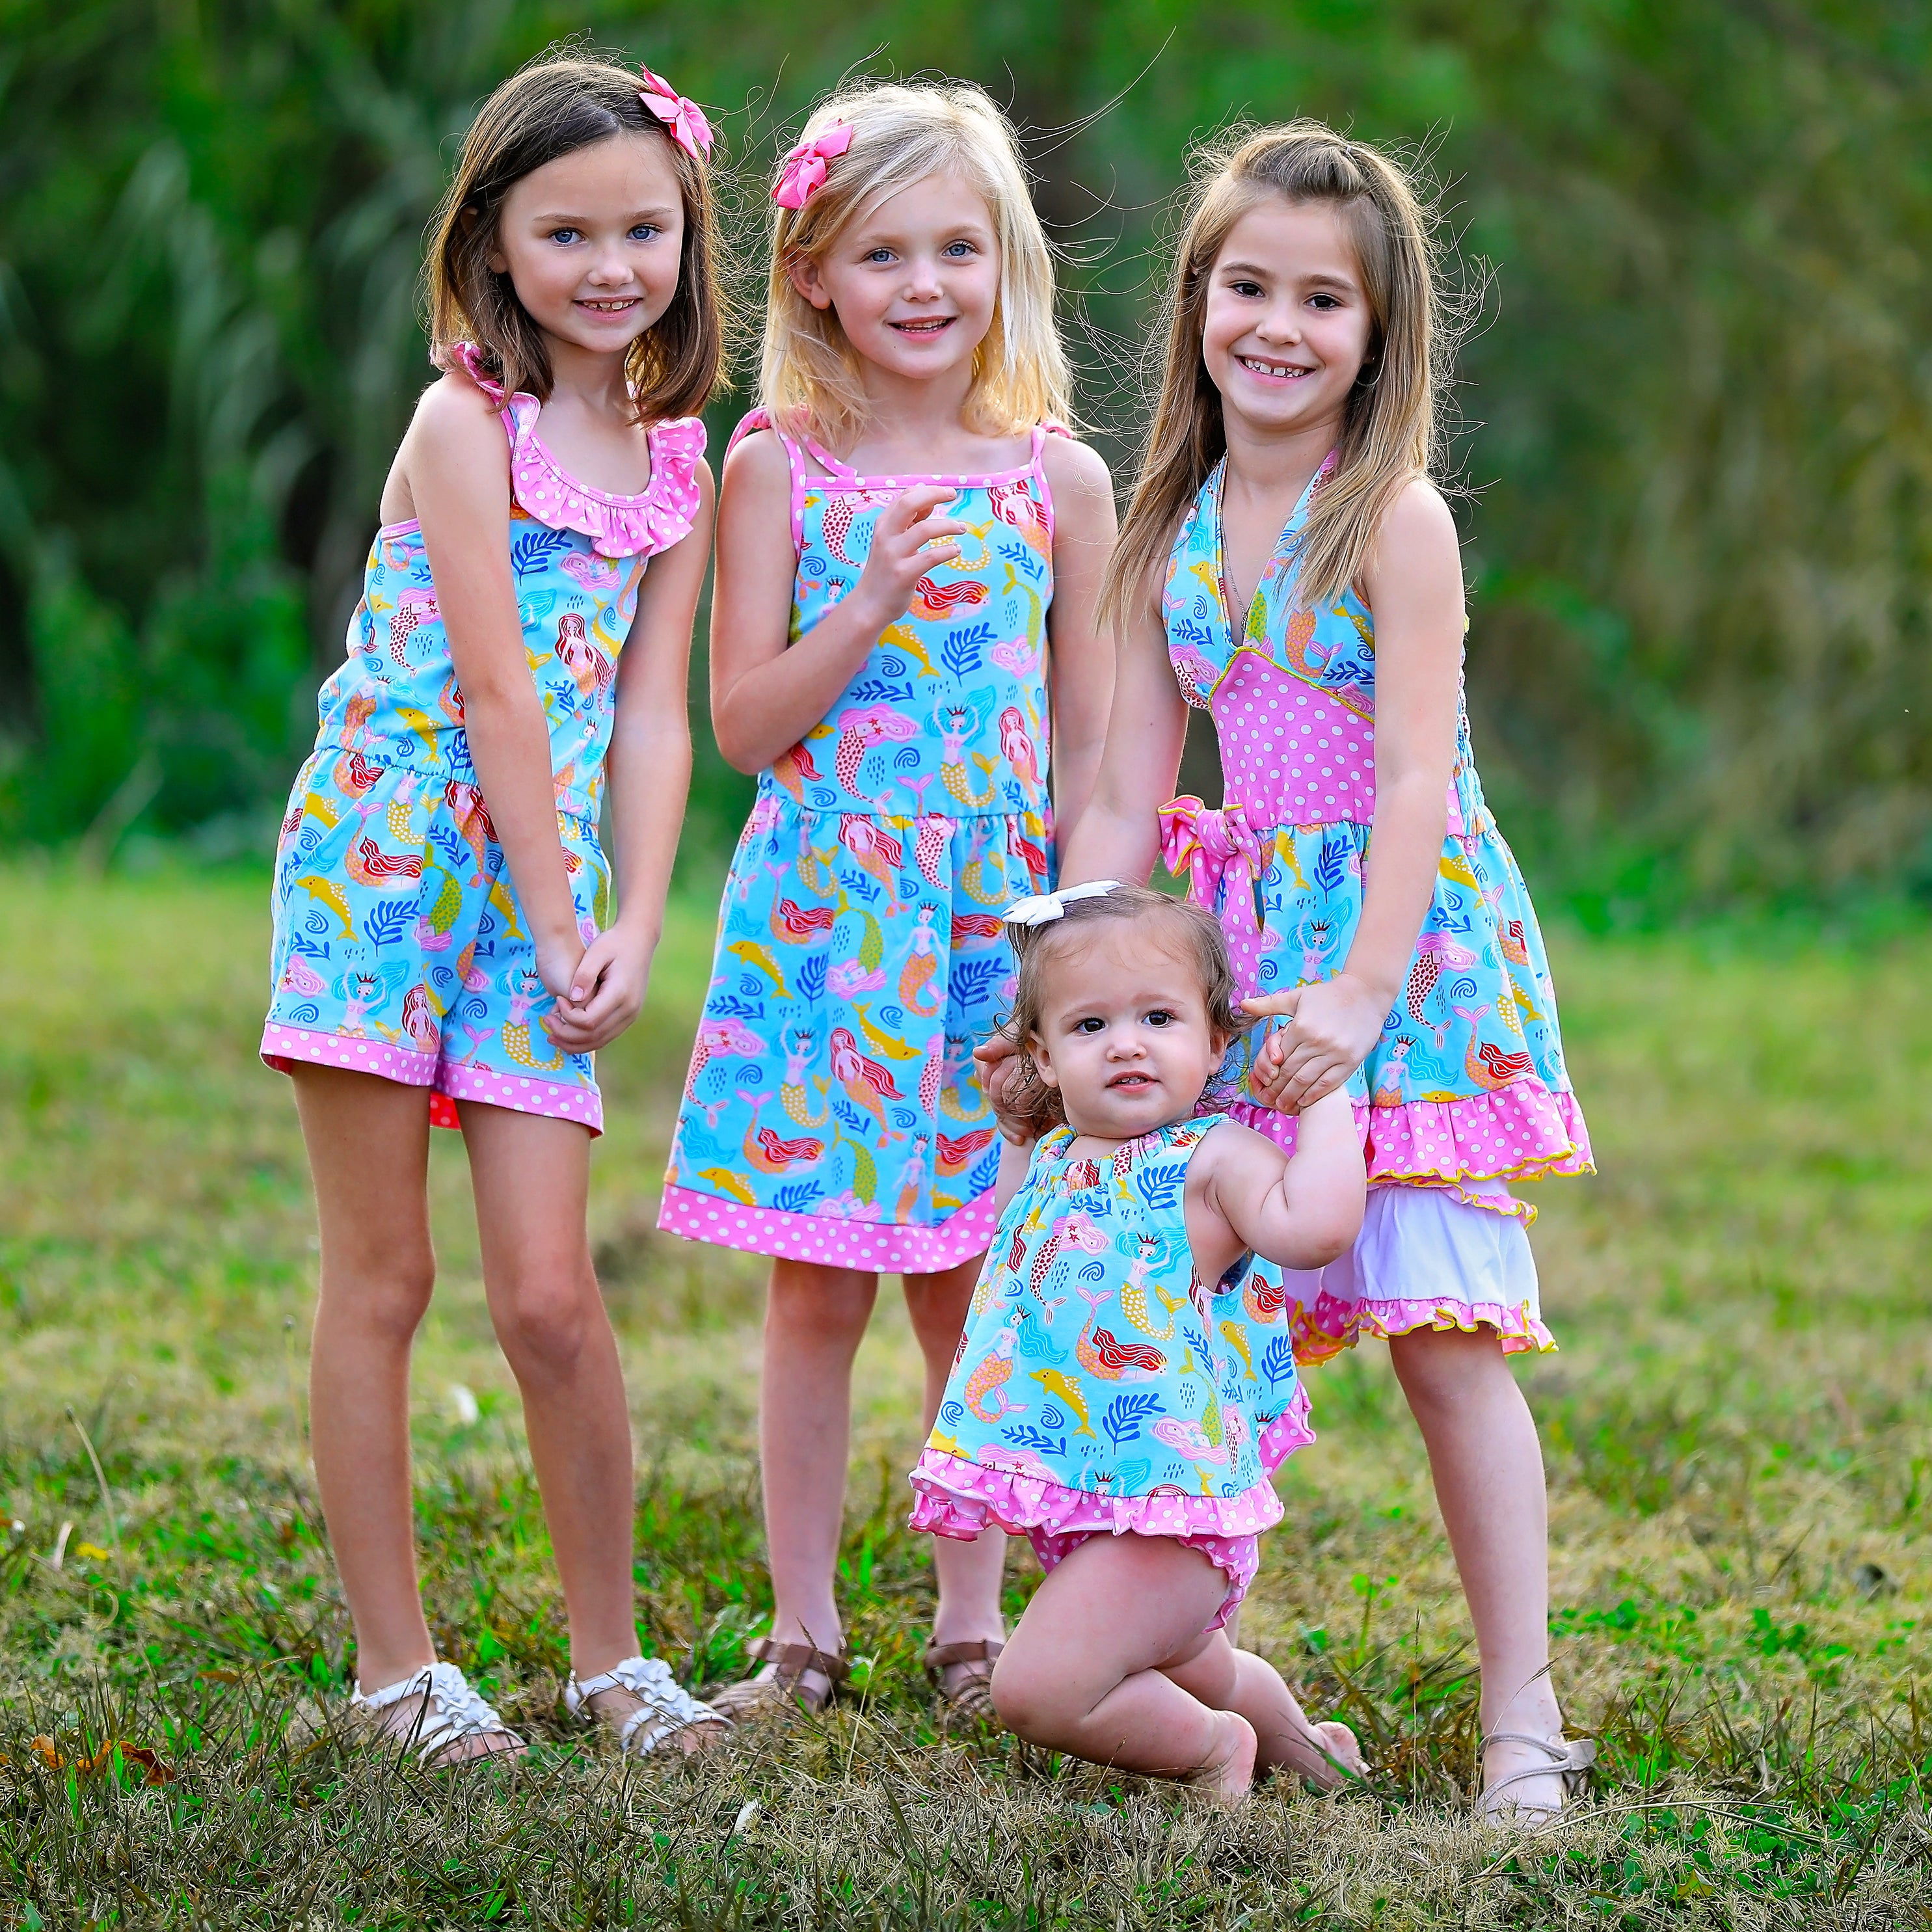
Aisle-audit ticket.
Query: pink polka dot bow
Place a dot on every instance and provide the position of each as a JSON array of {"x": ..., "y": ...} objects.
[
  {"x": 684, "y": 120},
  {"x": 803, "y": 174}
]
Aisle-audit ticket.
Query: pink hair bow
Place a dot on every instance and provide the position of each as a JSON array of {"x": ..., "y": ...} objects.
[
  {"x": 684, "y": 120},
  {"x": 803, "y": 174}
]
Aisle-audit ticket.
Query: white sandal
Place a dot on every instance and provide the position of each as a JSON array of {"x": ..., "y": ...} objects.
[
  {"x": 1570, "y": 1758},
  {"x": 667, "y": 1708},
  {"x": 452, "y": 1713}
]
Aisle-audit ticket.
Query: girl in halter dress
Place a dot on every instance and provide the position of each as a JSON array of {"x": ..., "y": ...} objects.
[{"x": 1287, "y": 565}]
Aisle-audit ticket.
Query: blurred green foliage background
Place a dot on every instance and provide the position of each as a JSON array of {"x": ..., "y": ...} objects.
[{"x": 1698, "y": 414}]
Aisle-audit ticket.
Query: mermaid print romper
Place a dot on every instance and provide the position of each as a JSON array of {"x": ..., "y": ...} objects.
[
  {"x": 1466, "y": 1090},
  {"x": 1101, "y": 1387},
  {"x": 831, "y": 1113},
  {"x": 399, "y": 949}
]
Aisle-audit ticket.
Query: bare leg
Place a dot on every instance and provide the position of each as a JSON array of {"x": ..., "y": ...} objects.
[
  {"x": 368, "y": 1150},
  {"x": 969, "y": 1573},
  {"x": 1228, "y": 1679},
  {"x": 814, "y": 1319},
  {"x": 1092, "y": 1669},
  {"x": 1488, "y": 1467},
  {"x": 532, "y": 1177}
]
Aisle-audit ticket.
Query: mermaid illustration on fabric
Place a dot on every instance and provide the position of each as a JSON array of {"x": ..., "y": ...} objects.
[
  {"x": 451, "y": 947},
  {"x": 1288, "y": 565},
  {"x": 1126, "y": 1383},
  {"x": 903, "y": 650}
]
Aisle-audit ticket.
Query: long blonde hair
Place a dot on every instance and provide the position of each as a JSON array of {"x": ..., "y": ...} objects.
[
  {"x": 1391, "y": 432},
  {"x": 810, "y": 380}
]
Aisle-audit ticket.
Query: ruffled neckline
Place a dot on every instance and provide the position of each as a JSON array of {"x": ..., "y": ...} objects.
[{"x": 618, "y": 525}]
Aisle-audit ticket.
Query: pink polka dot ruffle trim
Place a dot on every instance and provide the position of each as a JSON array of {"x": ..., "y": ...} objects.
[
  {"x": 959, "y": 1498},
  {"x": 617, "y": 526},
  {"x": 1522, "y": 1132}
]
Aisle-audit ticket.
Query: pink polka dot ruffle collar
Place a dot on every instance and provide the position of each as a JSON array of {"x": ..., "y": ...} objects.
[{"x": 617, "y": 526}]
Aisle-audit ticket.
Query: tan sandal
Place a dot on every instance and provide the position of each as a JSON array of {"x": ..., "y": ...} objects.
[
  {"x": 785, "y": 1686},
  {"x": 970, "y": 1695},
  {"x": 1570, "y": 1758}
]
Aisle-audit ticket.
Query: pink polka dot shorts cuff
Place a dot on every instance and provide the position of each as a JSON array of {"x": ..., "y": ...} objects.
[{"x": 285, "y": 1047}]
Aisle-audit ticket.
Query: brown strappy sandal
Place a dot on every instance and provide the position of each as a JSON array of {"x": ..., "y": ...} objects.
[
  {"x": 971, "y": 1695},
  {"x": 785, "y": 1688}
]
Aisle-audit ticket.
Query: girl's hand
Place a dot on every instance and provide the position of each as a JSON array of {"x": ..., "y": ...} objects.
[
  {"x": 907, "y": 540},
  {"x": 994, "y": 1060},
  {"x": 559, "y": 965},
  {"x": 613, "y": 975},
  {"x": 1334, "y": 1024}
]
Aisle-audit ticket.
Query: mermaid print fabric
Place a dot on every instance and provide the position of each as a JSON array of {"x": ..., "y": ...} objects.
[
  {"x": 1467, "y": 1086},
  {"x": 831, "y": 1113},
  {"x": 1101, "y": 1384},
  {"x": 399, "y": 948}
]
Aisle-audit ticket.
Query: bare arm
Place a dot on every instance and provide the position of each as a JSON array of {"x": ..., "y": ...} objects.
[
  {"x": 1081, "y": 661},
  {"x": 1118, "y": 836},
  {"x": 1414, "y": 586},
  {"x": 764, "y": 697},
  {"x": 650, "y": 780},
  {"x": 458, "y": 470},
  {"x": 1244, "y": 1193}
]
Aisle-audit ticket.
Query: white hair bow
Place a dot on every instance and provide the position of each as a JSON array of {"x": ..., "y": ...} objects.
[{"x": 1046, "y": 908}]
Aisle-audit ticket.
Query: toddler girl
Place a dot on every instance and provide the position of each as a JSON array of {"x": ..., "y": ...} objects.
[
  {"x": 902, "y": 626},
  {"x": 444, "y": 948},
  {"x": 1287, "y": 565},
  {"x": 1126, "y": 1383}
]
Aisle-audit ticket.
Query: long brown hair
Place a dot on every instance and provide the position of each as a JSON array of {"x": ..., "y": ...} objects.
[
  {"x": 559, "y": 103},
  {"x": 1391, "y": 432},
  {"x": 1201, "y": 942}
]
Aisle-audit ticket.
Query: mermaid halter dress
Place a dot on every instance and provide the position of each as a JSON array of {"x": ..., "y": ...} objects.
[
  {"x": 1467, "y": 1090},
  {"x": 1103, "y": 1388}
]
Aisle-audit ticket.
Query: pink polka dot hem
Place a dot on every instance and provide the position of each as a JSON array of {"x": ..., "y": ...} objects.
[
  {"x": 878, "y": 1247},
  {"x": 958, "y": 1499},
  {"x": 284, "y": 1047},
  {"x": 1522, "y": 1132}
]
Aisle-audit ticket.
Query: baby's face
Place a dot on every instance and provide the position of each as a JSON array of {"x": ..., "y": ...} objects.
[{"x": 1124, "y": 1033}]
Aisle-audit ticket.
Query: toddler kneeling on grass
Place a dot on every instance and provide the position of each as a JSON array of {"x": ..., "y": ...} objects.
[{"x": 1125, "y": 1383}]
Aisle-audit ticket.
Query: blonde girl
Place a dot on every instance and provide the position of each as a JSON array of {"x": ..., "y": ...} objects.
[
  {"x": 904, "y": 650},
  {"x": 1287, "y": 565},
  {"x": 445, "y": 950}
]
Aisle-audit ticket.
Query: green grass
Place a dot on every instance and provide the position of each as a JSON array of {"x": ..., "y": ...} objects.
[{"x": 1737, "y": 1427}]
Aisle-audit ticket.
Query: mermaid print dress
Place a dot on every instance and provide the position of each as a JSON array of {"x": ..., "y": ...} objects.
[
  {"x": 1466, "y": 1090},
  {"x": 1102, "y": 1387},
  {"x": 831, "y": 1113},
  {"x": 399, "y": 950}
]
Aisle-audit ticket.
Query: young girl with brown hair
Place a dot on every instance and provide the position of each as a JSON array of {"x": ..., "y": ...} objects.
[
  {"x": 1287, "y": 564},
  {"x": 446, "y": 949}
]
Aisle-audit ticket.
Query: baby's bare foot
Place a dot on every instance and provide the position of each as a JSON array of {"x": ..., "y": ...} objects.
[{"x": 1229, "y": 1772}]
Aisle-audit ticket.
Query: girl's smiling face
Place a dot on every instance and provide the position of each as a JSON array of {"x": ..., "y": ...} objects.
[
  {"x": 1124, "y": 1033},
  {"x": 914, "y": 279},
  {"x": 1287, "y": 327},
  {"x": 592, "y": 241}
]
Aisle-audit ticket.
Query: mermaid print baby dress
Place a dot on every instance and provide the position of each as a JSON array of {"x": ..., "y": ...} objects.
[
  {"x": 1102, "y": 1387},
  {"x": 399, "y": 949},
  {"x": 831, "y": 1113},
  {"x": 1466, "y": 1090}
]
